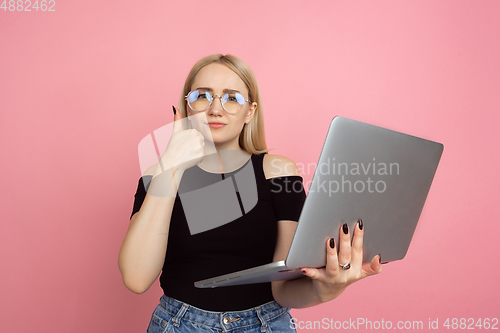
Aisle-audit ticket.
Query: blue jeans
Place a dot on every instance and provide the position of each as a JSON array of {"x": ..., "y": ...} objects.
[{"x": 173, "y": 316}]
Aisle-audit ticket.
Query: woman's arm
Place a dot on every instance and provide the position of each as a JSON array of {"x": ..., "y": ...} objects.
[
  {"x": 293, "y": 293},
  {"x": 322, "y": 284},
  {"x": 143, "y": 250}
]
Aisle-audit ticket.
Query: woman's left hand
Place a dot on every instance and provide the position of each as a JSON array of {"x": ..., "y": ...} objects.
[{"x": 332, "y": 280}]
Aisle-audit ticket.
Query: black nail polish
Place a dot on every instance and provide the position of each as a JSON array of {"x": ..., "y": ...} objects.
[
  {"x": 379, "y": 259},
  {"x": 345, "y": 228},
  {"x": 173, "y": 107},
  {"x": 332, "y": 243},
  {"x": 360, "y": 222}
]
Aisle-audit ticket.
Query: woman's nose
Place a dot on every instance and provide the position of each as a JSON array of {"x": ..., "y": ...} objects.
[{"x": 216, "y": 107}]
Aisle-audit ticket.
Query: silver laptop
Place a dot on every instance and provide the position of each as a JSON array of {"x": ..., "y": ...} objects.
[{"x": 364, "y": 172}]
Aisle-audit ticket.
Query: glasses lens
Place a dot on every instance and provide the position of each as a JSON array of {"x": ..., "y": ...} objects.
[
  {"x": 233, "y": 102},
  {"x": 199, "y": 100}
]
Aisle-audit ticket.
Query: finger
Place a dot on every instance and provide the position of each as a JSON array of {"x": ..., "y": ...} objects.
[
  {"x": 202, "y": 138},
  {"x": 332, "y": 261},
  {"x": 372, "y": 268},
  {"x": 345, "y": 245},
  {"x": 199, "y": 134},
  {"x": 313, "y": 273},
  {"x": 177, "y": 120},
  {"x": 357, "y": 244}
]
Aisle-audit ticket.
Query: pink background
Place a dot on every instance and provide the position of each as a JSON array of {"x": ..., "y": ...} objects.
[{"x": 81, "y": 86}]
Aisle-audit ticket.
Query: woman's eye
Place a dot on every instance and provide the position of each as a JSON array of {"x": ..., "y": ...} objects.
[{"x": 201, "y": 96}]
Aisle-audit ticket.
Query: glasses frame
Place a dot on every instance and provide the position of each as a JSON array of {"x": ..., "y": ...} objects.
[{"x": 212, "y": 100}]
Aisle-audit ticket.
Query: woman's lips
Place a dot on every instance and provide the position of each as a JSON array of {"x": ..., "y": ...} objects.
[{"x": 216, "y": 125}]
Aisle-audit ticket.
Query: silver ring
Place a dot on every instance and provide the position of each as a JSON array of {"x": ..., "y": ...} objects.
[{"x": 345, "y": 267}]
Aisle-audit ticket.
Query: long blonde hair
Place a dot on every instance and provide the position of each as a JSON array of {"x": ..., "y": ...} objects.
[{"x": 252, "y": 138}]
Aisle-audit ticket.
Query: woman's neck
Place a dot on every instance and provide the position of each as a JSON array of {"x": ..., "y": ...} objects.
[{"x": 224, "y": 161}]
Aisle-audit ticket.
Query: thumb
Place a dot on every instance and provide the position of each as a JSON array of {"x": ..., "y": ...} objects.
[
  {"x": 313, "y": 273},
  {"x": 177, "y": 120}
]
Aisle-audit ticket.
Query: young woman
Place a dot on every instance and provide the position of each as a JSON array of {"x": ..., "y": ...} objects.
[{"x": 223, "y": 89}]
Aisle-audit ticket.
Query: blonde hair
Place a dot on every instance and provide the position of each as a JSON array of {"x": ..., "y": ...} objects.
[{"x": 252, "y": 138}]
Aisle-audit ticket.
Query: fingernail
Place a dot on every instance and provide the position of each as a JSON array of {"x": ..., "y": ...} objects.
[
  {"x": 332, "y": 243},
  {"x": 360, "y": 222},
  {"x": 379, "y": 259},
  {"x": 345, "y": 228},
  {"x": 173, "y": 107}
]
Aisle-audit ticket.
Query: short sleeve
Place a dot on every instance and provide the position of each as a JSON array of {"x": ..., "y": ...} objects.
[
  {"x": 140, "y": 194},
  {"x": 288, "y": 196}
]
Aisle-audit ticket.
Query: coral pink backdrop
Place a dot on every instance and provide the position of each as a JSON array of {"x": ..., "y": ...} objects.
[{"x": 82, "y": 85}]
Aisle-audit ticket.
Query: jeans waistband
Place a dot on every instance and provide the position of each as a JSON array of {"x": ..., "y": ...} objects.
[{"x": 224, "y": 321}]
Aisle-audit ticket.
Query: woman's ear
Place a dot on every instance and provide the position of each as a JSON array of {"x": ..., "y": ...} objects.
[{"x": 251, "y": 112}]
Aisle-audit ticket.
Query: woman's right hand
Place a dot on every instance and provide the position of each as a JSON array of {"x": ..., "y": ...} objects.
[{"x": 184, "y": 149}]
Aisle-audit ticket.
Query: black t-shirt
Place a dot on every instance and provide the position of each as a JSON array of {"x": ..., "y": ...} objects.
[{"x": 246, "y": 242}]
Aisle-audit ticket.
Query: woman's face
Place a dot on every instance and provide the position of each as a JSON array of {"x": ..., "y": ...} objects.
[{"x": 225, "y": 128}]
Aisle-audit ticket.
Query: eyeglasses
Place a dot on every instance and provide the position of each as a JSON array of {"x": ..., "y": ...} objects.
[{"x": 200, "y": 100}]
